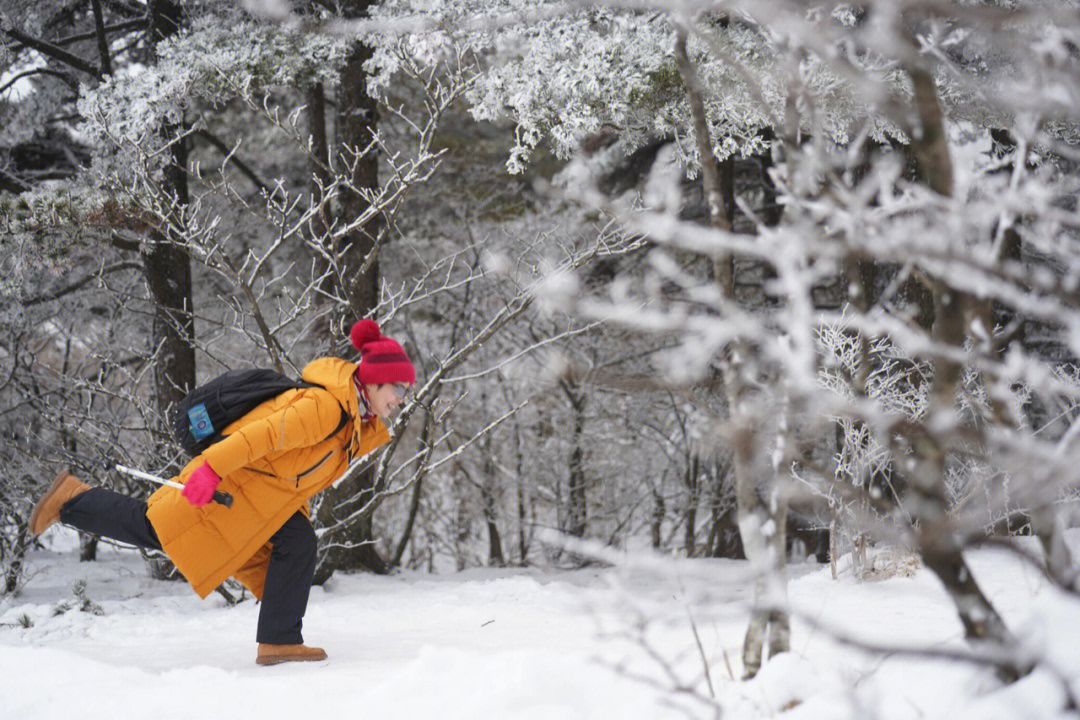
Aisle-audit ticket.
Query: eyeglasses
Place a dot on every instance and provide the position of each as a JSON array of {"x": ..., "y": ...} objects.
[{"x": 400, "y": 389}]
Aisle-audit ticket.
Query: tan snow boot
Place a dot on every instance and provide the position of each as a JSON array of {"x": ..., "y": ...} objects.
[
  {"x": 274, "y": 654},
  {"x": 47, "y": 510}
]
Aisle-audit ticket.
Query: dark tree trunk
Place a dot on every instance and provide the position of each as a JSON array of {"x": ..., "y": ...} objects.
[
  {"x": 87, "y": 547},
  {"x": 167, "y": 271},
  {"x": 771, "y": 210},
  {"x": 656, "y": 522},
  {"x": 357, "y": 117},
  {"x": 1003, "y": 145},
  {"x": 166, "y": 266},
  {"x": 727, "y": 188},
  {"x": 320, "y": 146},
  {"x": 938, "y": 546},
  {"x": 356, "y": 122},
  {"x": 523, "y": 542},
  {"x": 410, "y": 523},
  {"x": 104, "y": 60},
  {"x": 522, "y": 504},
  {"x": 495, "y": 553},
  {"x": 930, "y": 142},
  {"x": 168, "y": 278},
  {"x": 577, "y": 497},
  {"x": 350, "y": 546},
  {"x": 724, "y": 539},
  {"x": 690, "y": 512},
  {"x": 978, "y": 617},
  {"x": 462, "y": 529},
  {"x": 320, "y": 334},
  {"x": 488, "y": 498},
  {"x": 23, "y": 542}
]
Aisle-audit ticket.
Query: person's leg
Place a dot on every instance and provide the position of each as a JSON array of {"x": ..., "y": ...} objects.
[
  {"x": 288, "y": 582},
  {"x": 109, "y": 514}
]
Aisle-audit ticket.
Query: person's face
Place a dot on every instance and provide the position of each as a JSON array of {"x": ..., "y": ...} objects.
[{"x": 385, "y": 398}]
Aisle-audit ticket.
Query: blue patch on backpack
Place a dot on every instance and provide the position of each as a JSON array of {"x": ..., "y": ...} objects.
[{"x": 201, "y": 427}]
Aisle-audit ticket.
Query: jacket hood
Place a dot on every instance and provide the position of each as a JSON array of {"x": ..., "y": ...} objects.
[
  {"x": 335, "y": 375},
  {"x": 329, "y": 372}
]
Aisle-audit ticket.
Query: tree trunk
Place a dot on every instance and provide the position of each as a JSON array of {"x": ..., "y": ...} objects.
[
  {"x": 23, "y": 542},
  {"x": 87, "y": 547},
  {"x": 522, "y": 502},
  {"x": 762, "y": 526},
  {"x": 979, "y": 618},
  {"x": 462, "y": 528},
  {"x": 749, "y": 480},
  {"x": 690, "y": 512},
  {"x": 357, "y": 282},
  {"x": 167, "y": 271},
  {"x": 489, "y": 504},
  {"x": 718, "y": 188},
  {"x": 724, "y": 540},
  {"x": 656, "y": 521},
  {"x": 938, "y": 546},
  {"x": 356, "y": 123},
  {"x": 930, "y": 141},
  {"x": 577, "y": 498},
  {"x": 166, "y": 266},
  {"x": 350, "y": 546},
  {"x": 495, "y": 553},
  {"x": 410, "y": 523},
  {"x": 320, "y": 151},
  {"x": 319, "y": 335},
  {"x": 771, "y": 210},
  {"x": 1049, "y": 526}
]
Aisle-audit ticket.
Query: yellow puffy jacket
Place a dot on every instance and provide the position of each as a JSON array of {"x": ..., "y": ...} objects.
[{"x": 272, "y": 460}]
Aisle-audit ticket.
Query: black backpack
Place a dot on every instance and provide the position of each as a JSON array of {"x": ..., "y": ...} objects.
[{"x": 205, "y": 411}]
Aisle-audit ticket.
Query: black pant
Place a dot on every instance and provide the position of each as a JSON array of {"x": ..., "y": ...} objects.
[{"x": 288, "y": 578}]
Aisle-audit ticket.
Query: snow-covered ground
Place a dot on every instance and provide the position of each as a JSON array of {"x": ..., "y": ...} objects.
[{"x": 596, "y": 643}]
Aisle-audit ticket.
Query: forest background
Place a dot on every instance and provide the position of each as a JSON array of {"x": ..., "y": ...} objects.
[{"x": 717, "y": 279}]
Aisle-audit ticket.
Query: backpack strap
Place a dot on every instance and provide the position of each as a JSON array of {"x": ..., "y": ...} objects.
[
  {"x": 341, "y": 423},
  {"x": 345, "y": 417}
]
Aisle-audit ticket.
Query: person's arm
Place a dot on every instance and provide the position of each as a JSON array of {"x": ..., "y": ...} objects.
[{"x": 305, "y": 421}]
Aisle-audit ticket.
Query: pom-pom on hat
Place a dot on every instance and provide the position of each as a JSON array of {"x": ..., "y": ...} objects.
[{"x": 382, "y": 359}]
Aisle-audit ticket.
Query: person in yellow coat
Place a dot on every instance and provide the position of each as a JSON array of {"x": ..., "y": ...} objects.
[{"x": 272, "y": 461}]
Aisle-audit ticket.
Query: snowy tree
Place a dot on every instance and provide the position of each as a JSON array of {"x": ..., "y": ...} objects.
[
  {"x": 54, "y": 52},
  {"x": 278, "y": 219},
  {"x": 885, "y": 238},
  {"x": 810, "y": 256}
]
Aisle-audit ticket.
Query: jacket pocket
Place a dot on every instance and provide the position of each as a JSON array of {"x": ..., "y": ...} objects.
[{"x": 314, "y": 467}]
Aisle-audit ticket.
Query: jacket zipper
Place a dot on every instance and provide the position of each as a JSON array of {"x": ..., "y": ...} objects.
[{"x": 314, "y": 467}]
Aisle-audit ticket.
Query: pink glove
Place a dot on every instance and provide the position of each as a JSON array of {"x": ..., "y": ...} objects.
[{"x": 201, "y": 485}]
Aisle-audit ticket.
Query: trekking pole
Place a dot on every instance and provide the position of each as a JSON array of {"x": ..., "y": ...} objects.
[{"x": 221, "y": 498}]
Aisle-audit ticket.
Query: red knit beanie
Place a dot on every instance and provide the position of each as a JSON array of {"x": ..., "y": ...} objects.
[{"x": 382, "y": 359}]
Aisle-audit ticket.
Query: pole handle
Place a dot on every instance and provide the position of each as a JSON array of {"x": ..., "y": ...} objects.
[{"x": 220, "y": 497}]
